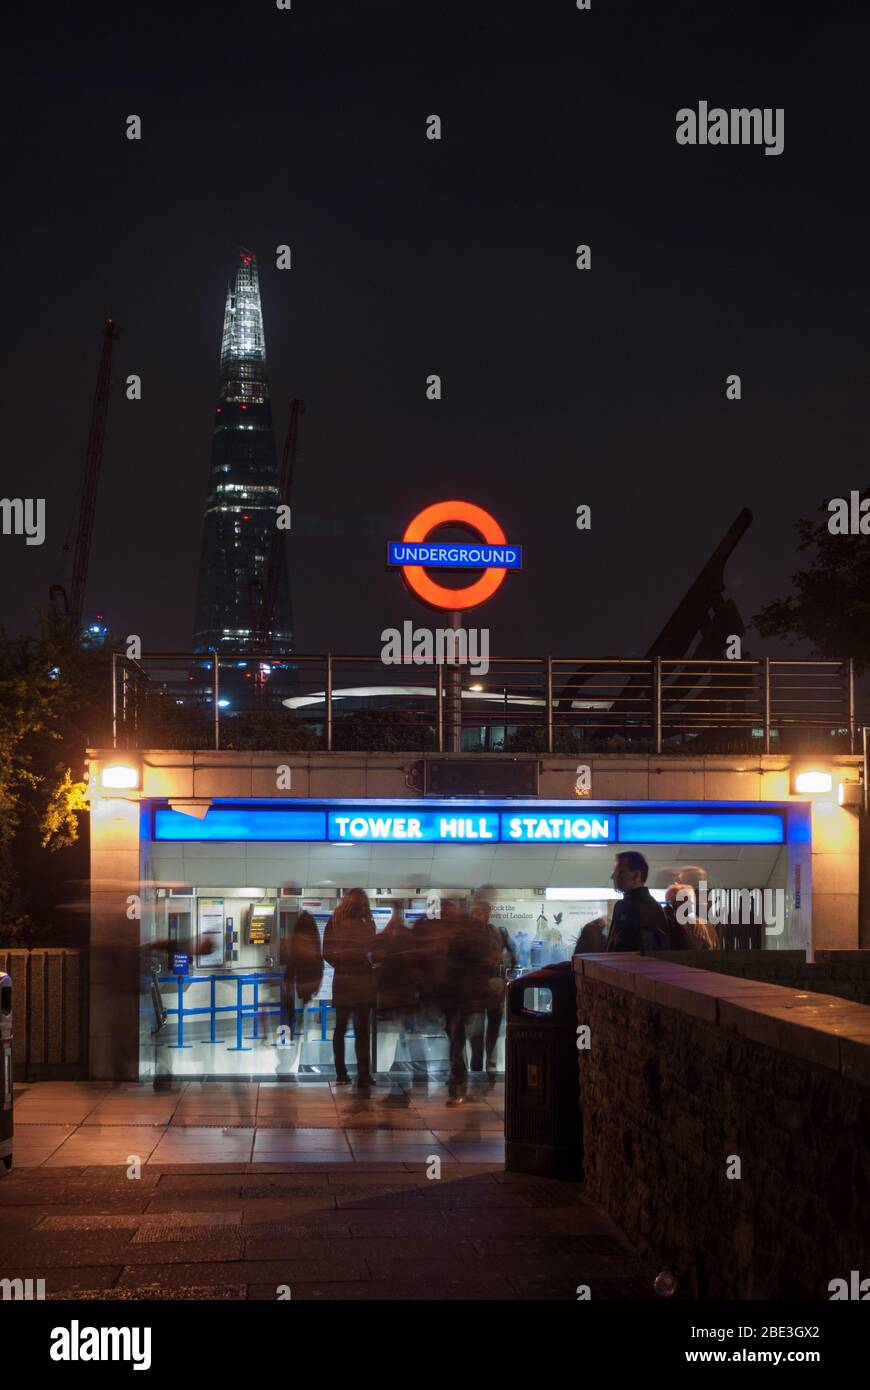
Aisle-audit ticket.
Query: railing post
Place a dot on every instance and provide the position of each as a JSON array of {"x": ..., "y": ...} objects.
[
  {"x": 329, "y": 702},
  {"x": 853, "y": 732},
  {"x": 549, "y": 704},
  {"x": 439, "y": 708},
  {"x": 124, "y": 703},
  {"x": 766, "y": 726},
  {"x": 114, "y": 700},
  {"x": 657, "y": 701},
  {"x": 216, "y": 686}
]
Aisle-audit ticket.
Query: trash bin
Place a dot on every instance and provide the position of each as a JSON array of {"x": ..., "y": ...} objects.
[
  {"x": 543, "y": 1132},
  {"x": 5, "y": 1073}
]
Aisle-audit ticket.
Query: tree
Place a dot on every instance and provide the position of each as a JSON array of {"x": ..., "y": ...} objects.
[
  {"x": 54, "y": 698},
  {"x": 830, "y": 607}
]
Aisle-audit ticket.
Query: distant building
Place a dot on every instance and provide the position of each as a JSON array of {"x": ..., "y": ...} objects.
[{"x": 240, "y": 513}]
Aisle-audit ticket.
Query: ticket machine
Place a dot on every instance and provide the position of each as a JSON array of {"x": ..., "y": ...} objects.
[{"x": 261, "y": 923}]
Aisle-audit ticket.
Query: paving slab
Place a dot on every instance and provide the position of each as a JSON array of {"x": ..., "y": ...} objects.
[
  {"x": 273, "y": 1272},
  {"x": 248, "y": 1187}
]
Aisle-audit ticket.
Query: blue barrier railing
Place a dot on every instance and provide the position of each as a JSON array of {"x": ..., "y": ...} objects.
[{"x": 241, "y": 1008}]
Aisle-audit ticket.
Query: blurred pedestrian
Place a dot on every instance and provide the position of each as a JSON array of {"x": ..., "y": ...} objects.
[
  {"x": 502, "y": 957},
  {"x": 678, "y": 897},
  {"x": 396, "y": 989},
  {"x": 467, "y": 992},
  {"x": 395, "y": 977},
  {"x": 592, "y": 938},
  {"x": 301, "y": 962},
  {"x": 348, "y": 942}
]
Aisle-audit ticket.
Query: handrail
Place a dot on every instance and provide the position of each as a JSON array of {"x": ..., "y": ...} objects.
[{"x": 521, "y": 704}]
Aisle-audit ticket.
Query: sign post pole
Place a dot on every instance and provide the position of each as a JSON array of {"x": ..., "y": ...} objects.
[{"x": 453, "y": 702}]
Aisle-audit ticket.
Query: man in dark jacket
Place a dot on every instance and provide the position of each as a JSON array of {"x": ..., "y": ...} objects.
[{"x": 638, "y": 922}]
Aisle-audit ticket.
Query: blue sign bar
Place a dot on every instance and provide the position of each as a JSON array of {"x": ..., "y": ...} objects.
[
  {"x": 241, "y": 823},
  {"x": 452, "y": 555},
  {"x": 701, "y": 827},
  {"x": 467, "y": 822},
  {"x": 405, "y": 824},
  {"x": 597, "y": 828}
]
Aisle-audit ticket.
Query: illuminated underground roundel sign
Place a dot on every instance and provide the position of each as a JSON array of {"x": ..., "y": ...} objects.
[{"x": 493, "y": 554}]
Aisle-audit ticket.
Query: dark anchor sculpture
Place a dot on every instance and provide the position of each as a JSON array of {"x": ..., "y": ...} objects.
[{"x": 697, "y": 631}]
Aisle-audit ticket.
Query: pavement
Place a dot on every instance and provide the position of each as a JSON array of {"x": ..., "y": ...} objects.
[{"x": 238, "y": 1190}]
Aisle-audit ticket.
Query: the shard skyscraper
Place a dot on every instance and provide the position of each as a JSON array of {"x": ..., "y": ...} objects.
[{"x": 243, "y": 491}]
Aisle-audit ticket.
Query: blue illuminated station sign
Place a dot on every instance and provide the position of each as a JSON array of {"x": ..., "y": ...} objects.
[
  {"x": 468, "y": 555},
  {"x": 463, "y": 823},
  {"x": 443, "y": 827}
]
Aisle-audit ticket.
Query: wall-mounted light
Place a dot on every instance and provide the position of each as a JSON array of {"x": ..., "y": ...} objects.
[
  {"x": 120, "y": 776},
  {"x": 811, "y": 781},
  {"x": 850, "y": 794}
]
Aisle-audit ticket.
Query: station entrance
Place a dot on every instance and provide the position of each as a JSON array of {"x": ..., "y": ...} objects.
[{"x": 218, "y": 914}]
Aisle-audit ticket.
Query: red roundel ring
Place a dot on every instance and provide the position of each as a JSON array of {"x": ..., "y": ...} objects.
[{"x": 441, "y": 514}]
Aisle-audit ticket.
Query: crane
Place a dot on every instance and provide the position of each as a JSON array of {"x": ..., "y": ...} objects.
[
  {"x": 264, "y": 623},
  {"x": 71, "y": 605}
]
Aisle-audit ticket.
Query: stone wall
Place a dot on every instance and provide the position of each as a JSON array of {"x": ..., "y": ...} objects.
[
  {"x": 845, "y": 974},
  {"x": 689, "y": 1071}
]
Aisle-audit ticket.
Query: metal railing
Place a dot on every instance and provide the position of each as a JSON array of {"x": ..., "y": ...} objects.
[{"x": 545, "y": 704}]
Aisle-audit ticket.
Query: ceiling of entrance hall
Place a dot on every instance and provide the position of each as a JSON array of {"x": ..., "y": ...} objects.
[{"x": 455, "y": 866}]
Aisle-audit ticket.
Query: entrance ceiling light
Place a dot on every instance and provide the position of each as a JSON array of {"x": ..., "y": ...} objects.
[
  {"x": 120, "y": 776},
  {"x": 812, "y": 781}
]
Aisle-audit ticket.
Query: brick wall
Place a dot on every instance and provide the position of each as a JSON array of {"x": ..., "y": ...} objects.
[{"x": 686, "y": 1068}]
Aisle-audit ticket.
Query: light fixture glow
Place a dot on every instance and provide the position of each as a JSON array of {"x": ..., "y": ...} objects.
[
  {"x": 813, "y": 782},
  {"x": 582, "y": 895},
  {"x": 120, "y": 775}
]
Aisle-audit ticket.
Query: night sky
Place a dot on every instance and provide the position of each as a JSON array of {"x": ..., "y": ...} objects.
[{"x": 561, "y": 387}]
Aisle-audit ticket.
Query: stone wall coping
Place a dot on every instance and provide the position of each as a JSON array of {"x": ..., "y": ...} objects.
[
  {"x": 819, "y": 1028},
  {"x": 765, "y": 959}
]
